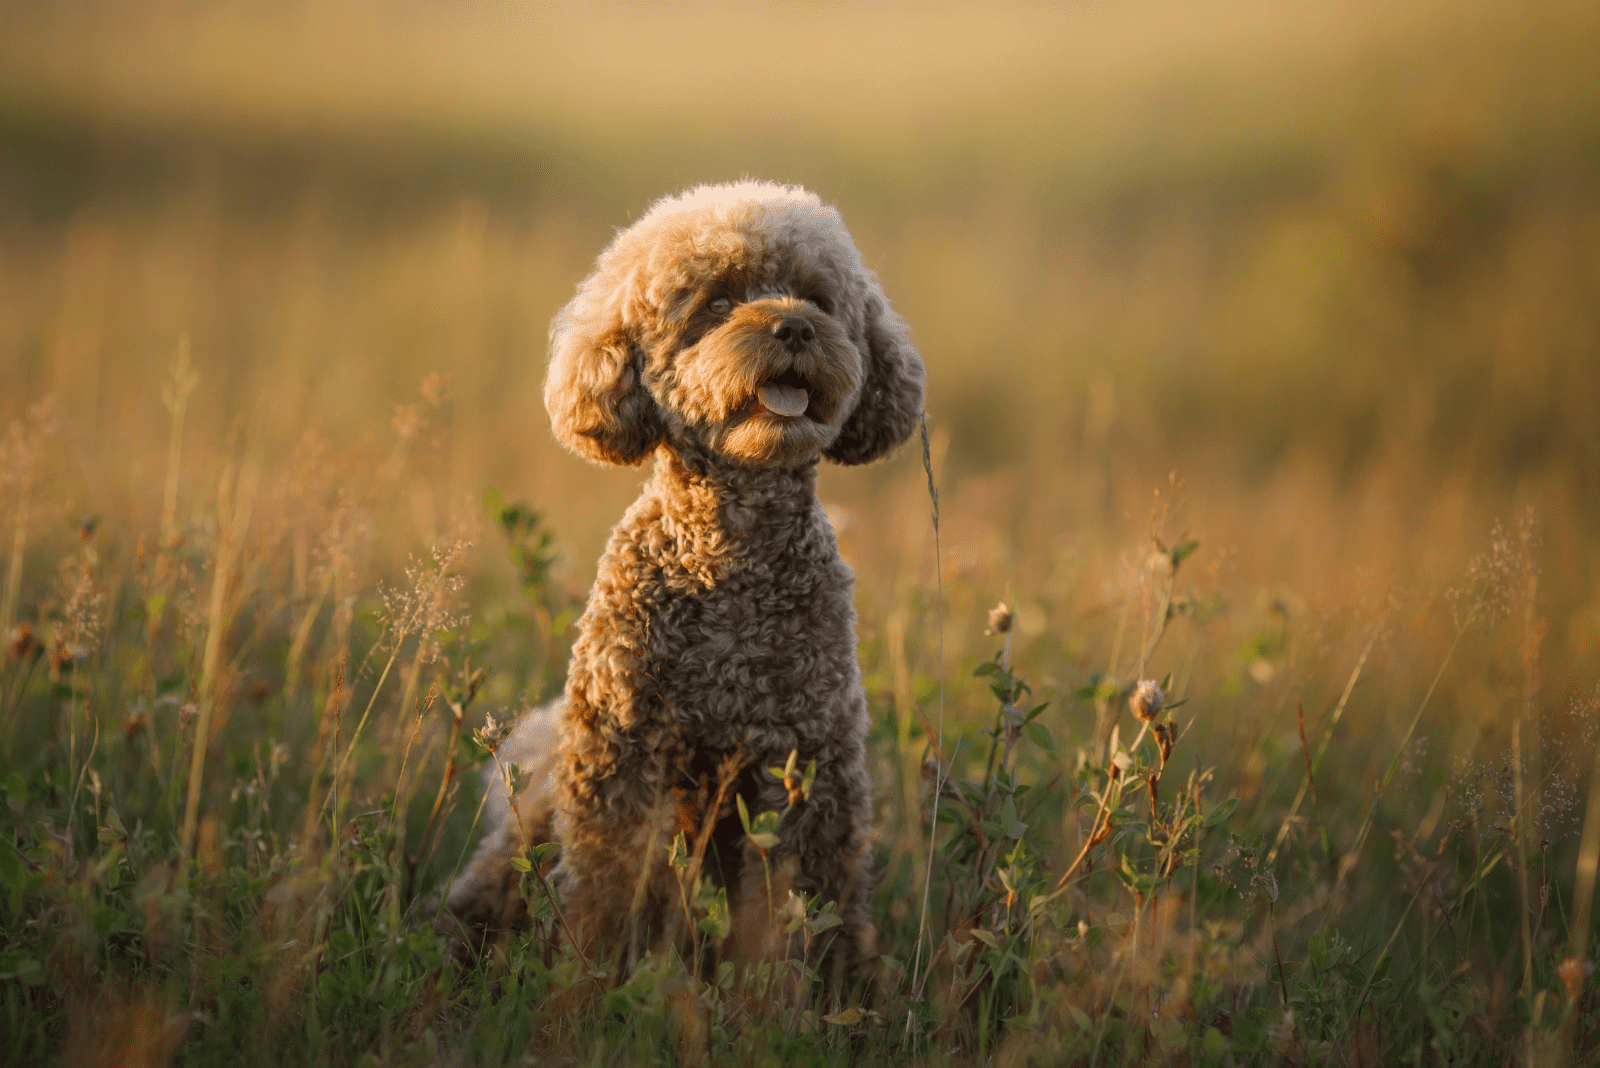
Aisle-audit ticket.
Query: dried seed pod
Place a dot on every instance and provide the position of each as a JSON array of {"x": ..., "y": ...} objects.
[{"x": 1146, "y": 700}]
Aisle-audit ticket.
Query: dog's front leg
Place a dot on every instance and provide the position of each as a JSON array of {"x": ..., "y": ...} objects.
[{"x": 621, "y": 806}]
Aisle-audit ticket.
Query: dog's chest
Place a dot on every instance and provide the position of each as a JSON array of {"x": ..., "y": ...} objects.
[{"x": 769, "y": 646}]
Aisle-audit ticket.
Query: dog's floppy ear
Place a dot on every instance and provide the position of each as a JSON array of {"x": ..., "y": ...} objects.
[
  {"x": 891, "y": 397},
  {"x": 598, "y": 404}
]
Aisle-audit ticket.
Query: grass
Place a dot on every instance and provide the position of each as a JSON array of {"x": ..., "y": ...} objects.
[
  {"x": 1286, "y": 419},
  {"x": 241, "y": 766}
]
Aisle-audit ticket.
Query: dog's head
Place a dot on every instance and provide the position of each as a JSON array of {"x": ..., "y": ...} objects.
[{"x": 737, "y": 318}]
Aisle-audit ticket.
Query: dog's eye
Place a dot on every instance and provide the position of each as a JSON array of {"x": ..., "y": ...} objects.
[
  {"x": 822, "y": 304},
  {"x": 720, "y": 306}
]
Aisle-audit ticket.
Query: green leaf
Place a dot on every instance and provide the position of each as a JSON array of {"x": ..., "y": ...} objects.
[
  {"x": 1014, "y": 826},
  {"x": 521, "y": 864},
  {"x": 988, "y": 667},
  {"x": 1039, "y": 735},
  {"x": 986, "y": 937},
  {"x": 1214, "y": 1043},
  {"x": 1182, "y": 552},
  {"x": 114, "y": 831},
  {"x": 12, "y": 870},
  {"x": 826, "y": 921},
  {"x": 744, "y": 813},
  {"x": 17, "y": 965},
  {"x": 105, "y": 919},
  {"x": 544, "y": 851},
  {"x": 716, "y": 921},
  {"x": 847, "y": 1018},
  {"x": 1221, "y": 813},
  {"x": 13, "y": 875}
]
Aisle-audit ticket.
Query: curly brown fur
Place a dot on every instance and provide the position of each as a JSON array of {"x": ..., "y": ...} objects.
[{"x": 735, "y": 334}]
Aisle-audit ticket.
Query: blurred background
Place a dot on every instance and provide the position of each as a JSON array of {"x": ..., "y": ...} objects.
[{"x": 1315, "y": 284}]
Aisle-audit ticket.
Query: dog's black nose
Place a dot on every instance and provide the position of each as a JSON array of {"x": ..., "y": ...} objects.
[{"x": 794, "y": 331}]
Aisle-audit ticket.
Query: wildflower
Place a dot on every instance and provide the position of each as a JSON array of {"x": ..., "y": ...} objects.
[
  {"x": 19, "y": 642},
  {"x": 999, "y": 619},
  {"x": 792, "y": 915},
  {"x": 1146, "y": 700},
  {"x": 491, "y": 734}
]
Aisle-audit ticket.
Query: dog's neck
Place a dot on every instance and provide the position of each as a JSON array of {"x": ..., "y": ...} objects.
[{"x": 716, "y": 508}]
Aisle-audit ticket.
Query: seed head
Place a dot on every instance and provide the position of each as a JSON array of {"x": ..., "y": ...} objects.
[
  {"x": 428, "y": 607},
  {"x": 1146, "y": 700},
  {"x": 999, "y": 619}
]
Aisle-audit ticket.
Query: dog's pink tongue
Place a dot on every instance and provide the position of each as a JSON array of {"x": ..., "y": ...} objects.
[{"x": 783, "y": 400}]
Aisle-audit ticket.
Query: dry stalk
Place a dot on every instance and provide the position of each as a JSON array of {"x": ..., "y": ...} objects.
[
  {"x": 236, "y": 498},
  {"x": 939, "y": 772},
  {"x": 1305, "y": 750},
  {"x": 457, "y": 711},
  {"x": 1100, "y": 826},
  {"x": 175, "y": 396}
]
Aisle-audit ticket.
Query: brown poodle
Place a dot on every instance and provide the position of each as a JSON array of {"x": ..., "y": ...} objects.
[{"x": 734, "y": 334}]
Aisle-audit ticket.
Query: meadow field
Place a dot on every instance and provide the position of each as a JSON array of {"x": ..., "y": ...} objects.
[{"x": 1263, "y": 346}]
